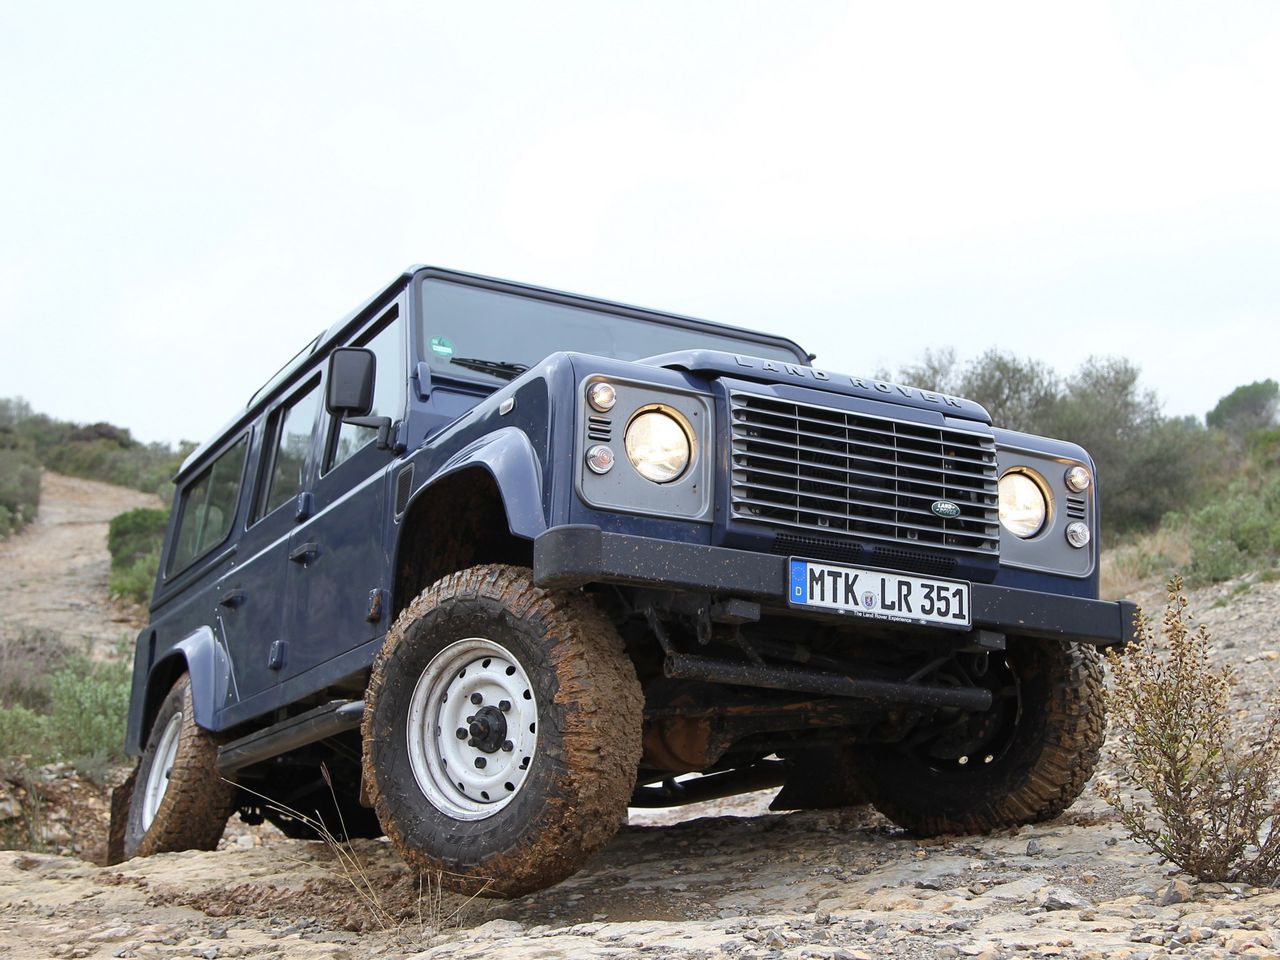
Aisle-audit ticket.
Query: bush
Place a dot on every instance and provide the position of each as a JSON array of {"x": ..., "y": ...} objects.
[
  {"x": 134, "y": 539},
  {"x": 1195, "y": 788},
  {"x": 19, "y": 489},
  {"x": 84, "y": 719},
  {"x": 1238, "y": 532}
]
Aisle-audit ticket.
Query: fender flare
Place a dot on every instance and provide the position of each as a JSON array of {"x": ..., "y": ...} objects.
[
  {"x": 201, "y": 656},
  {"x": 513, "y": 463}
]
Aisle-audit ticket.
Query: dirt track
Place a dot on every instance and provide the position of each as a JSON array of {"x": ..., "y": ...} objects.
[
  {"x": 730, "y": 881},
  {"x": 53, "y": 575}
]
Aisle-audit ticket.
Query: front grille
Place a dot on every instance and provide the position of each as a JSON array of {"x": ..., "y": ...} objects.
[{"x": 842, "y": 473}]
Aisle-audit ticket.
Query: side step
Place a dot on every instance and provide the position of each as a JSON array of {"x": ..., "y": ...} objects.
[{"x": 330, "y": 719}]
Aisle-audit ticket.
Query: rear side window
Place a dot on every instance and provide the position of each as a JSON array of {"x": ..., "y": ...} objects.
[{"x": 208, "y": 506}]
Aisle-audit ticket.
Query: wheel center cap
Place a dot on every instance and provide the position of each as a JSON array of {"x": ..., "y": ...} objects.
[{"x": 488, "y": 729}]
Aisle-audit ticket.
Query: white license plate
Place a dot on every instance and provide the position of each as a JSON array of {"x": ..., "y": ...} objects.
[{"x": 879, "y": 595}]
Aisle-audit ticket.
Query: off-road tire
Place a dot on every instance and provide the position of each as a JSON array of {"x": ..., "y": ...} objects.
[
  {"x": 1048, "y": 759},
  {"x": 589, "y": 714},
  {"x": 197, "y": 802}
]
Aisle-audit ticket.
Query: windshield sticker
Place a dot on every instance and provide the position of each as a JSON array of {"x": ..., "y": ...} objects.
[{"x": 442, "y": 346}]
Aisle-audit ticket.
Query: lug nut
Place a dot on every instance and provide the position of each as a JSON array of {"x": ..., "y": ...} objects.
[
  {"x": 462, "y": 733},
  {"x": 477, "y": 699},
  {"x": 508, "y": 746},
  {"x": 504, "y": 706},
  {"x": 480, "y": 763}
]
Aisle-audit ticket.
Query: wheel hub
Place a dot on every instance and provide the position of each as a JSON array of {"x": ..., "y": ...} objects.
[
  {"x": 472, "y": 729},
  {"x": 488, "y": 729}
]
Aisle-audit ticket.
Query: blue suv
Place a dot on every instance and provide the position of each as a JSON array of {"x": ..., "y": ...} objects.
[{"x": 485, "y": 564}]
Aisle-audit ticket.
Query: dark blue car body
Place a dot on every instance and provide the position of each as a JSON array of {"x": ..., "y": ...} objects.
[{"x": 287, "y": 611}]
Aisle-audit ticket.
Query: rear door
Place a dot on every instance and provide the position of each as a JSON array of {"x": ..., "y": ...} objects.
[{"x": 254, "y": 599}]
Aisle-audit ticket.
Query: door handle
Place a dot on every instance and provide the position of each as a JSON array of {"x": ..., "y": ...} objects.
[
  {"x": 233, "y": 599},
  {"x": 305, "y": 553}
]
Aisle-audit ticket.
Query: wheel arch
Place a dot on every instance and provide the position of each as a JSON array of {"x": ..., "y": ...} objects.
[
  {"x": 484, "y": 506},
  {"x": 199, "y": 655}
]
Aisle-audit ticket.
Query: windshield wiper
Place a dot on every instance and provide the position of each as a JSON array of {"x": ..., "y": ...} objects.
[{"x": 498, "y": 368}]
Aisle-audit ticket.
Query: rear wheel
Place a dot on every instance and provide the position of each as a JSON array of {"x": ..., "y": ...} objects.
[
  {"x": 179, "y": 800},
  {"x": 501, "y": 732},
  {"x": 1025, "y": 760}
]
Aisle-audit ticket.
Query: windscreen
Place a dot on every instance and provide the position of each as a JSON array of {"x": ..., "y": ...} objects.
[{"x": 493, "y": 336}]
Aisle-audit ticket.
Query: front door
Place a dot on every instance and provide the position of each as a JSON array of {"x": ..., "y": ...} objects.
[{"x": 343, "y": 589}]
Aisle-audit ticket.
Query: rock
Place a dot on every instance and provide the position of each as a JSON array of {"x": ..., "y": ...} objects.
[
  {"x": 1063, "y": 898},
  {"x": 1176, "y": 891},
  {"x": 497, "y": 929},
  {"x": 1034, "y": 849}
]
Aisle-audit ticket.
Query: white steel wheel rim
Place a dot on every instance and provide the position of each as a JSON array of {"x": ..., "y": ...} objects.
[
  {"x": 472, "y": 681},
  {"x": 161, "y": 768}
]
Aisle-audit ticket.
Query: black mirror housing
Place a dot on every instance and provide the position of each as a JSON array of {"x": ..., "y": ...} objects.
[{"x": 351, "y": 375}]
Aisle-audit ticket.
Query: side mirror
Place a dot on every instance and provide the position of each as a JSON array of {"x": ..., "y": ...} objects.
[{"x": 351, "y": 374}]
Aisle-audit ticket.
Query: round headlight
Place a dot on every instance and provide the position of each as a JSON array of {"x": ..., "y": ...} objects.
[
  {"x": 657, "y": 445},
  {"x": 1023, "y": 506}
]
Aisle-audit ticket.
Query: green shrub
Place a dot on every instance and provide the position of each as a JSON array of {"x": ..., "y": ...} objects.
[
  {"x": 134, "y": 539},
  {"x": 1238, "y": 532},
  {"x": 83, "y": 722},
  {"x": 19, "y": 489},
  {"x": 136, "y": 580}
]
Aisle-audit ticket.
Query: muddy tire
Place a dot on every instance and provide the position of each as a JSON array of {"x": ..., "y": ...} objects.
[
  {"x": 179, "y": 801},
  {"x": 1024, "y": 762},
  {"x": 501, "y": 732}
]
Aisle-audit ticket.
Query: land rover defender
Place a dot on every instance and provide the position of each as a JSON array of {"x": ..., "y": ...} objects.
[{"x": 485, "y": 564}]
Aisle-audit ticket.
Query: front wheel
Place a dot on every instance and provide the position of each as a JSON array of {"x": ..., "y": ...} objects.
[
  {"x": 1025, "y": 760},
  {"x": 179, "y": 801},
  {"x": 501, "y": 732}
]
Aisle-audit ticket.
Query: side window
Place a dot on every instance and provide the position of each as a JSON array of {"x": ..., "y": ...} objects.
[
  {"x": 208, "y": 506},
  {"x": 387, "y": 345},
  {"x": 290, "y": 439}
]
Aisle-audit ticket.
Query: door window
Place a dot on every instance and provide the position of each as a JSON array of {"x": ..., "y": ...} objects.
[
  {"x": 291, "y": 428},
  {"x": 391, "y": 374},
  {"x": 208, "y": 506}
]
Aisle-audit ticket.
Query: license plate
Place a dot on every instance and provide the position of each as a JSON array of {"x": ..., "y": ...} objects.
[{"x": 879, "y": 595}]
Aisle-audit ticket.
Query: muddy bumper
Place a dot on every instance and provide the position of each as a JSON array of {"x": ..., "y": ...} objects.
[{"x": 577, "y": 554}]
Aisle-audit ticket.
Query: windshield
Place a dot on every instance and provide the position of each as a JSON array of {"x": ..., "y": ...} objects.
[{"x": 488, "y": 335}]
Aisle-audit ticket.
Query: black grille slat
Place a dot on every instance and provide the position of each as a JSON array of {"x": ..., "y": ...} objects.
[
  {"x": 841, "y": 473},
  {"x": 1076, "y": 508}
]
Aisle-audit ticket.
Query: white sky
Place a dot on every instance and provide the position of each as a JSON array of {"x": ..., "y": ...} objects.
[{"x": 189, "y": 193}]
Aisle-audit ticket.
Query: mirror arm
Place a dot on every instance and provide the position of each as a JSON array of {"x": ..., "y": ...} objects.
[{"x": 381, "y": 424}]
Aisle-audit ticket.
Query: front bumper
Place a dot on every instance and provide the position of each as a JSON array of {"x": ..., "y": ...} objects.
[{"x": 576, "y": 554}]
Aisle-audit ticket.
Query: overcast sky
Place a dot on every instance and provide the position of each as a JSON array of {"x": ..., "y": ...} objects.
[{"x": 189, "y": 193}]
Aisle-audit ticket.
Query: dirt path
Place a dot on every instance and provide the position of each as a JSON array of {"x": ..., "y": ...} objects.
[
  {"x": 53, "y": 575},
  {"x": 725, "y": 879}
]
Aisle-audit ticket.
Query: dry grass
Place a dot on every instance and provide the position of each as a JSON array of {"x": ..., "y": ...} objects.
[
  {"x": 1141, "y": 563},
  {"x": 1196, "y": 785},
  {"x": 439, "y": 912}
]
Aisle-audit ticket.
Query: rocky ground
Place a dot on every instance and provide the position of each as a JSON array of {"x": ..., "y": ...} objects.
[{"x": 724, "y": 879}]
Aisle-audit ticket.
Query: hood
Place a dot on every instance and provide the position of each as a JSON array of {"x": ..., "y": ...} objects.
[{"x": 715, "y": 363}]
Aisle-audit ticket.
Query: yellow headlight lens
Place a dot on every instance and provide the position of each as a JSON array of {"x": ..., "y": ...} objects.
[
  {"x": 1023, "y": 506},
  {"x": 657, "y": 446}
]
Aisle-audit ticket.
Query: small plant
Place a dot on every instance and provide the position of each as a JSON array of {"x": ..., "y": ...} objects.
[{"x": 1193, "y": 786}]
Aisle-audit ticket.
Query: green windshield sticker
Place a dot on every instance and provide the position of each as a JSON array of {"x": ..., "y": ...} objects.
[{"x": 442, "y": 346}]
